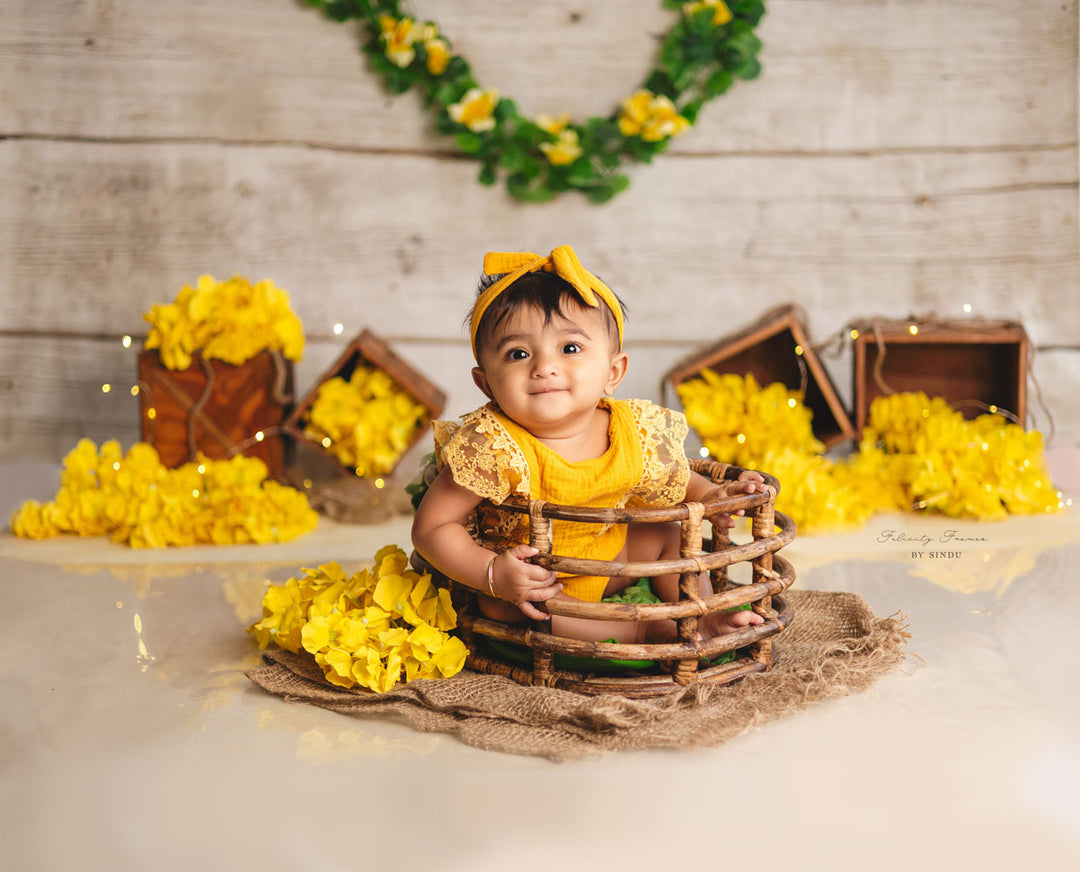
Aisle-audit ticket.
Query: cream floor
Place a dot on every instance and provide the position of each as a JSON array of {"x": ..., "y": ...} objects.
[{"x": 130, "y": 739}]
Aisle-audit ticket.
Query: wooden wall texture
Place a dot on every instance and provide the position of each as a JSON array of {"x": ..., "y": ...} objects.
[{"x": 896, "y": 157}]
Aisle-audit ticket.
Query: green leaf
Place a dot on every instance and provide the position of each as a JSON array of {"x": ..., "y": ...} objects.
[
  {"x": 751, "y": 69},
  {"x": 469, "y": 142},
  {"x": 697, "y": 61},
  {"x": 601, "y": 193},
  {"x": 717, "y": 83},
  {"x": 512, "y": 159}
]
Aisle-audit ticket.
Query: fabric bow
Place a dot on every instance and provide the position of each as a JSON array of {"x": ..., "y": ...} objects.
[{"x": 562, "y": 261}]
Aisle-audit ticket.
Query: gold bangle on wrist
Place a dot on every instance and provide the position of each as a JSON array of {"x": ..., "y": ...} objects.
[{"x": 491, "y": 577}]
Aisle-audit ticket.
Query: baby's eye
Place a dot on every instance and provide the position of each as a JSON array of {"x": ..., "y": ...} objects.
[
  {"x": 517, "y": 354},
  {"x": 571, "y": 348}
]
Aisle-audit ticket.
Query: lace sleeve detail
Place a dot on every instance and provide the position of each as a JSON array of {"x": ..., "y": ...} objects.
[
  {"x": 482, "y": 456},
  {"x": 666, "y": 471}
]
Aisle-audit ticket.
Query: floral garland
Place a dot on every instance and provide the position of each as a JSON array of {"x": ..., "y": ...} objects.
[
  {"x": 231, "y": 321},
  {"x": 916, "y": 454},
  {"x": 370, "y": 629},
  {"x": 710, "y": 45},
  {"x": 366, "y": 422},
  {"x": 137, "y": 501}
]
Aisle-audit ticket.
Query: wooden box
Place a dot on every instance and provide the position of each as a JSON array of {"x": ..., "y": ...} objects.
[
  {"x": 369, "y": 350},
  {"x": 217, "y": 409},
  {"x": 973, "y": 365},
  {"x": 776, "y": 348}
]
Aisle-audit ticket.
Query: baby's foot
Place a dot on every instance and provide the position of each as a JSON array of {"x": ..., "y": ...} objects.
[{"x": 723, "y": 623}]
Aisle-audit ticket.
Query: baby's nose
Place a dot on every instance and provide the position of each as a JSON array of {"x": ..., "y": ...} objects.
[{"x": 544, "y": 365}]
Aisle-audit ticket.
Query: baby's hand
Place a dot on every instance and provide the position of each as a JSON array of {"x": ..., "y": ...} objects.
[
  {"x": 749, "y": 482},
  {"x": 521, "y": 583}
]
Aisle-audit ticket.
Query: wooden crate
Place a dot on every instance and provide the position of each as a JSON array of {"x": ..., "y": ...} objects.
[
  {"x": 242, "y": 401},
  {"x": 776, "y": 348},
  {"x": 973, "y": 365},
  {"x": 368, "y": 349}
]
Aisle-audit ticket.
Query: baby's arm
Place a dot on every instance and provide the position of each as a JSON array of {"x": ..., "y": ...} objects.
[{"x": 439, "y": 534}]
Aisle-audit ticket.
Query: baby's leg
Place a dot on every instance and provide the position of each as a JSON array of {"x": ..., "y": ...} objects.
[{"x": 649, "y": 542}]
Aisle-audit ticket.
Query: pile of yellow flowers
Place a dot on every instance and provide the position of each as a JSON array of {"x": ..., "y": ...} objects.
[
  {"x": 231, "y": 321},
  {"x": 137, "y": 501},
  {"x": 916, "y": 453},
  {"x": 368, "y": 629},
  {"x": 983, "y": 468},
  {"x": 366, "y": 422}
]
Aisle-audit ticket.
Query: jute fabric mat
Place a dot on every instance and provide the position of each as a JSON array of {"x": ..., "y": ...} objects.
[{"x": 835, "y": 646}]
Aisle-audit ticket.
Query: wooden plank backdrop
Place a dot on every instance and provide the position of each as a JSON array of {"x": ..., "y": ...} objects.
[{"x": 894, "y": 158}]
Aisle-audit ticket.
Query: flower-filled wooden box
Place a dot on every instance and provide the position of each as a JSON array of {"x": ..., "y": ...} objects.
[
  {"x": 775, "y": 348},
  {"x": 977, "y": 366},
  {"x": 368, "y": 409},
  {"x": 217, "y": 408}
]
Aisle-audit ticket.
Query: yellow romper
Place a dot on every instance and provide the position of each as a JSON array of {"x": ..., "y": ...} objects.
[{"x": 645, "y": 465}]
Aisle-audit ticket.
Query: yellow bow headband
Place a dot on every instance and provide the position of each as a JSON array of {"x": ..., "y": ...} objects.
[{"x": 563, "y": 262}]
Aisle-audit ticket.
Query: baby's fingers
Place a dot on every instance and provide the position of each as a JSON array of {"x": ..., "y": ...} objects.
[{"x": 531, "y": 611}]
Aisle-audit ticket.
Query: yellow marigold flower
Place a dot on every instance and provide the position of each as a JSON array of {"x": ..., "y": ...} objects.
[
  {"x": 565, "y": 150},
  {"x": 721, "y": 13},
  {"x": 475, "y": 110}
]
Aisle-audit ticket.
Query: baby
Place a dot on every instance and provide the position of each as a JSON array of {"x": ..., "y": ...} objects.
[{"x": 547, "y": 336}]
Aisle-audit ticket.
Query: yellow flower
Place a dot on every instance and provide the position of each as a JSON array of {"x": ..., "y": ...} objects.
[
  {"x": 137, "y": 501},
  {"x": 398, "y": 35},
  {"x": 565, "y": 150},
  {"x": 368, "y": 629},
  {"x": 367, "y": 422},
  {"x": 916, "y": 452},
  {"x": 438, "y": 56},
  {"x": 650, "y": 116},
  {"x": 230, "y": 321},
  {"x": 553, "y": 124},
  {"x": 30, "y": 522},
  {"x": 475, "y": 110},
  {"x": 721, "y": 13}
]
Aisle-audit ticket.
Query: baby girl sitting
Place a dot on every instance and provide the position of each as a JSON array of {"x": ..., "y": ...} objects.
[{"x": 547, "y": 337}]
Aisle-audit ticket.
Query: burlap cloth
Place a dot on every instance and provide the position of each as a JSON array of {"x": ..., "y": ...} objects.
[{"x": 835, "y": 646}]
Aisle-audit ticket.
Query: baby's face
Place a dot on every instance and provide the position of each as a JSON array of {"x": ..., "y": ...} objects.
[{"x": 548, "y": 375}]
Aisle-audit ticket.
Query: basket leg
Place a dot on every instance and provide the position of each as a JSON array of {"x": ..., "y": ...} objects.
[
  {"x": 543, "y": 670},
  {"x": 689, "y": 546},
  {"x": 762, "y": 523},
  {"x": 721, "y": 541}
]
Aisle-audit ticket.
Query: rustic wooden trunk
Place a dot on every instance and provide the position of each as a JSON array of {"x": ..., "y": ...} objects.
[
  {"x": 977, "y": 366},
  {"x": 776, "y": 348},
  {"x": 367, "y": 349},
  {"x": 217, "y": 409}
]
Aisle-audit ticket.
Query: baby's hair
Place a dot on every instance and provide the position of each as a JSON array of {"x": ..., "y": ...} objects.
[{"x": 545, "y": 291}]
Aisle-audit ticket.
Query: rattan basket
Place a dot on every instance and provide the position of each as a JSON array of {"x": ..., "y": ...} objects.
[{"x": 771, "y": 575}]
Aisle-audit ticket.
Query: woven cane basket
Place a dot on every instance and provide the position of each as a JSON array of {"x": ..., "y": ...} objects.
[{"x": 770, "y": 576}]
